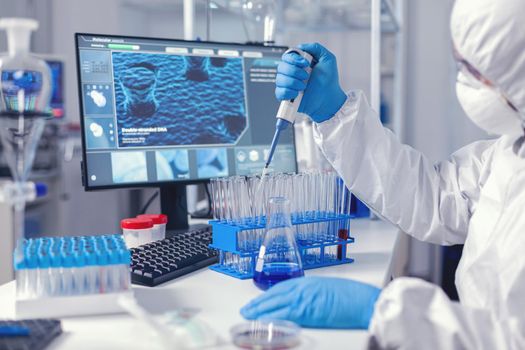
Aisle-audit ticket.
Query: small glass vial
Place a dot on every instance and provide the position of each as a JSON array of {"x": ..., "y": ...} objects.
[
  {"x": 159, "y": 225},
  {"x": 137, "y": 231}
]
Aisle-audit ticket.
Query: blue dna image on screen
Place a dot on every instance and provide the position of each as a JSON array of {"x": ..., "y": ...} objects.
[{"x": 171, "y": 100}]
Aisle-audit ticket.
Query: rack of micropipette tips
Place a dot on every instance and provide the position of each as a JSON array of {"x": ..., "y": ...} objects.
[
  {"x": 320, "y": 216},
  {"x": 71, "y": 276}
]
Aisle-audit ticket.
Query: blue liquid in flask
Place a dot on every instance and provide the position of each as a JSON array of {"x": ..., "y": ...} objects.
[{"x": 273, "y": 273}]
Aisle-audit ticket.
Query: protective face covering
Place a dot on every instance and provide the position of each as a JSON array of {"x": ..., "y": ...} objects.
[
  {"x": 488, "y": 34},
  {"x": 486, "y": 107}
]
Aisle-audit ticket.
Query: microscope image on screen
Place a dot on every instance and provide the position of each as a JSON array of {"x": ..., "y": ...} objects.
[
  {"x": 99, "y": 99},
  {"x": 212, "y": 163},
  {"x": 129, "y": 167},
  {"x": 172, "y": 165},
  {"x": 172, "y": 100}
]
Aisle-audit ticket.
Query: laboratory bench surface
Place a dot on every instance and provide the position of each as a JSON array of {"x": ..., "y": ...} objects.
[{"x": 219, "y": 297}]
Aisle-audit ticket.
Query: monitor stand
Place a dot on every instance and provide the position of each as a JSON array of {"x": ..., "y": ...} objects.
[{"x": 173, "y": 203}]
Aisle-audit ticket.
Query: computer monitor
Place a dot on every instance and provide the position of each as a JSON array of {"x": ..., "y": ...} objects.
[{"x": 162, "y": 112}]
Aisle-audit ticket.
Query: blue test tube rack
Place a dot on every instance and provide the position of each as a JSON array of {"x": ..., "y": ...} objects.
[{"x": 226, "y": 240}]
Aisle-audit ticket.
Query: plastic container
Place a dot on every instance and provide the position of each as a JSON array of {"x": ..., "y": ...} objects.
[
  {"x": 137, "y": 231},
  {"x": 266, "y": 335},
  {"x": 159, "y": 225}
]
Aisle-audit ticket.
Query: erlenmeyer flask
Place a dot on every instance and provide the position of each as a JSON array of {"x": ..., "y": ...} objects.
[{"x": 279, "y": 258}]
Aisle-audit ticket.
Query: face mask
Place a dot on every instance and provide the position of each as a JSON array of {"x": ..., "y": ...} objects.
[{"x": 487, "y": 108}]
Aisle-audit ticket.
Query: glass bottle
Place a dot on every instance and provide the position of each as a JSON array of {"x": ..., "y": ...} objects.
[
  {"x": 25, "y": 91},
  {"x": 279, "y": 258},
  {"x": 258, "y": 20}
]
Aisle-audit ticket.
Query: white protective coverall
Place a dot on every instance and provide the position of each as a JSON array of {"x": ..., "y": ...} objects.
[{"x": 476, "y": 198}]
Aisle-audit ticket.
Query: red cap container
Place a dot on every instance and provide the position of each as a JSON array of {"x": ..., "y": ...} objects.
[
  {"x": 158, "y": 219},
  {"x": 136, "y": 223}
]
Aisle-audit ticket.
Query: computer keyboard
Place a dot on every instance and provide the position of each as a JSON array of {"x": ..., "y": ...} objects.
[
  {"x": 41, "y": 334},
  {"x": 158, "y": 262}
]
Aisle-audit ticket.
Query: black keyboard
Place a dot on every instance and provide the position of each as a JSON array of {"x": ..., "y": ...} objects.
[
  {"x": 41, "y": 333},
  {"x": 158, "y": 262}
]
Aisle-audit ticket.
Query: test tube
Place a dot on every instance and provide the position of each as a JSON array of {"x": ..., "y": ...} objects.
[
  {"x": 125, "y": 258},
  {"x": 102, "y": 266},
  {"x": 66, "y": 272},
  {"x": 253, "y": 189},
  {"x": 32, "y": 274},
  {"x": 230, "y": 199},
  {"x": 92, "y": 275},
  {"x": 79, "y": 272},
  {"x": 21, "y": 274},
  {"x": 114, "y": 279},
  {"x": 44, "y": 263},
  {"x": 243, "y": 200}
]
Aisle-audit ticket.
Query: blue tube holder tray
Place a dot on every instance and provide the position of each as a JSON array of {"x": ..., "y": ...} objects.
[{"x": 313, "y": 254}]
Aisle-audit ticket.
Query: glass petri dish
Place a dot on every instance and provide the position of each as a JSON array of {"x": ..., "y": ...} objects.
[{"x": 266, "y": 335}]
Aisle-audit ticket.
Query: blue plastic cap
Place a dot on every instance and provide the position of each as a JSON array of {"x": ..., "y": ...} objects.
[
  {"x": 20, "y": 265},
  {"x": 67, "y": 260},
  {"x": 102, "y": 258},
  {"x": 91, "y": 259},
  {"x": 31, "y": 261},
  {"x": 114, "y": 257},
  {"x": 125, "y": 257},
  {"x": 43, "y": 260},
  {"x": 41, "y": 189},
  {"x": 56, "y": 260},
  {"x": 80, "y": 259}
]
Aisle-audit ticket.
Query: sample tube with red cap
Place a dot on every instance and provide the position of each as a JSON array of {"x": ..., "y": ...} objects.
[
  {"x": 137, "y": 231},
  {"x": 159, "y": 225}
]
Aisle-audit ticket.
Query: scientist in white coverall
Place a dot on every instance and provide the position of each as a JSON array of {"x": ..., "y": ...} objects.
[{"x": 476, "y": 198}]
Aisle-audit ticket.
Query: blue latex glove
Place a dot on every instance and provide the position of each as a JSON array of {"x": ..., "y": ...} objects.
[
  {"x": 323, "y": 96},
  {"x": 317, "y": 302}
]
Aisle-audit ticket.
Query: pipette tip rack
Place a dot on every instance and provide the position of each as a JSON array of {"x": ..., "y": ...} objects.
[{"x": 329, "y": 251}]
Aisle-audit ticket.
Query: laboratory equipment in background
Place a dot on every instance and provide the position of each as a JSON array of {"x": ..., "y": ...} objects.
[
  {"x": 138, "y": 133},
  {"x": 162, "y": 261},
  {"x": 41, "y": 215},
  {"x": 34, "y": 334},
  {"x": 259, "y": 20},
  {"x": 266, "y": 335},
  {"x": 279, "y": 258},
  {"x": 25, "y": 89},
  {"x": 47, "y": 162},
  {"x": 320, "y": 204},
  {"x": 64, "y": 276}
]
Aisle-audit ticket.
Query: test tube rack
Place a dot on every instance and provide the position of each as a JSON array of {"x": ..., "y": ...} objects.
[
  {"x": 71, "y": 276},
  {"x": 313, "y": 254}
]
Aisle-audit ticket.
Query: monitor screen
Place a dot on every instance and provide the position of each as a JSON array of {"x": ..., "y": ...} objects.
[{"x": 159, "y": 110}]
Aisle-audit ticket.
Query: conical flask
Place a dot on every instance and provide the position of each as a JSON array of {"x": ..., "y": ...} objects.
[
  {"x": 279, "y": 258},
  {"x": 25, "y": 91}
]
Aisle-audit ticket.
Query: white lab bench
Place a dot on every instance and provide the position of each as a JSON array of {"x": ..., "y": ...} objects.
[{"x": 220, "y": 297}]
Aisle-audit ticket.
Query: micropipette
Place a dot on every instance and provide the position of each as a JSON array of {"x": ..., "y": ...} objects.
[{"x": 287, "y": 112}]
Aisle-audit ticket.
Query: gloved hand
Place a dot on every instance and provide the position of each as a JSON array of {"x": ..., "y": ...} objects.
[
  {"x": 323, "y": 96},
  {"x": 317, "y": 302}
]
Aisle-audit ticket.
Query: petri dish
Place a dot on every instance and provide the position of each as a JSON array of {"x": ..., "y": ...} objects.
[{"x": 266, "y": 335}]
